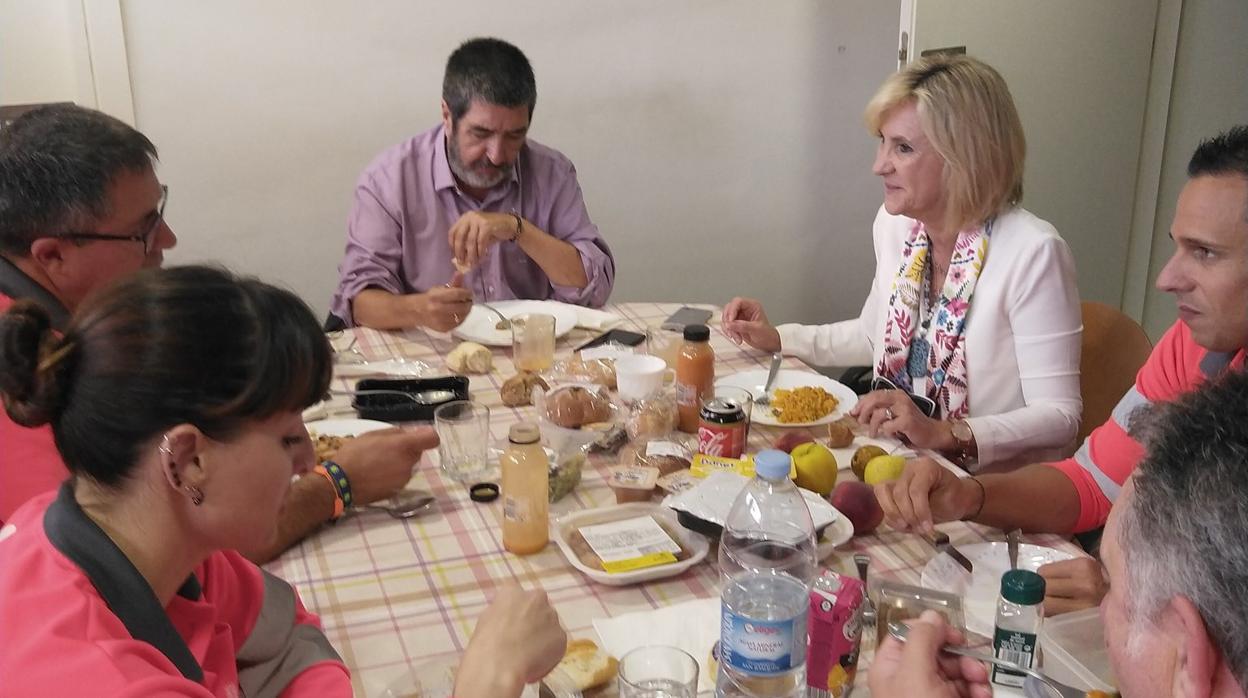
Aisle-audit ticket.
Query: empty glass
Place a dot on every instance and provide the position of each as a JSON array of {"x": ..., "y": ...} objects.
[
  {"x": 658, "y": 672},
  {"x": 533, "y": 342},
  {"x": 664, "y": 344},
  {"x": 464, "y": 439}
]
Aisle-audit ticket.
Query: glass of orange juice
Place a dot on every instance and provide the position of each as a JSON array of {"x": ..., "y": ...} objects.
[{"x": 533, "y": 342}]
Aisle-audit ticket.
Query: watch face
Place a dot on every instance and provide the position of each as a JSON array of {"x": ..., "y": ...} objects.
[{"x": 962, "y": 431}]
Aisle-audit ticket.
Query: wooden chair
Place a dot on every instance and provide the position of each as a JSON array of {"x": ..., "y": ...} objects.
[{"x": 1114, "y": 349}]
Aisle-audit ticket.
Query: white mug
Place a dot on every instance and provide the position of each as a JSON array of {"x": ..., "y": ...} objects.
[{"x": 639, "y": 376}]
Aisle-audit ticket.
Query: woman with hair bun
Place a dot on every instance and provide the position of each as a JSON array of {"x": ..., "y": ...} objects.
[{"x": 175, "y": 399}]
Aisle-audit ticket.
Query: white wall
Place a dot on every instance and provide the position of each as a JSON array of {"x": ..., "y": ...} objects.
[
  {"x": 43, "y": 53},
  {"x": 719, "y": 144},
  {"x": 1209, "y": 95}
]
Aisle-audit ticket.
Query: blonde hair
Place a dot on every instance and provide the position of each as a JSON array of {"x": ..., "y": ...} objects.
[{"x": 966, "y": 111}]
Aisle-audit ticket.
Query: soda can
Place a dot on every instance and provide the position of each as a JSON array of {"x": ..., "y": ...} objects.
[{"x": 722, "y": 428}]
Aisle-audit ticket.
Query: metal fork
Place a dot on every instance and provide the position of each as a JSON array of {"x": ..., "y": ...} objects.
[
  {"x": 764, "y": 400},
  {"x": 1061, "y": 690},
  {"x": 504, "y": 322}
]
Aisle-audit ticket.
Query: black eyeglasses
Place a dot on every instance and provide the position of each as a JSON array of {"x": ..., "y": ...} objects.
[
  {"x": 926, "y": 405},
  {"x": 145, "y": 237}
]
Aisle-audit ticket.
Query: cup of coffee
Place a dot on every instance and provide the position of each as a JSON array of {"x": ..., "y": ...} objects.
[{"x": 640, "y": 375}]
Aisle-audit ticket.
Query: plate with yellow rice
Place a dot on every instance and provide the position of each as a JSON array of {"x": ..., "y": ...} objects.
[{"x": 798, "y": 398}]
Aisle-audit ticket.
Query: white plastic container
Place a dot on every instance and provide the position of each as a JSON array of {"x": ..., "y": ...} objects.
[
  {"x": 1072, "y": 648},
  {"x": 563, "y": 528}
]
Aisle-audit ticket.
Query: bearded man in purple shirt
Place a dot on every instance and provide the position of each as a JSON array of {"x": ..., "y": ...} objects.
[{"x": 470, "y": 208}]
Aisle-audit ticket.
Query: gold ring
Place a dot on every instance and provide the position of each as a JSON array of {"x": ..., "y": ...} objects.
[{"x": 888, "y": 412}]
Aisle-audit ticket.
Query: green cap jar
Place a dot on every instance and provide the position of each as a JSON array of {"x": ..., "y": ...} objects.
[{"x": 1022, "y": 587}]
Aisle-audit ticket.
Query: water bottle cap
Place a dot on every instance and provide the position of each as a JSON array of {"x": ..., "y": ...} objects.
[
  {"x": 772, "y": 464},
  {"x": 1022, "y": 587}
]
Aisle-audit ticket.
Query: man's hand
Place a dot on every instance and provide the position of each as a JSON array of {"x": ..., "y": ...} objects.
[
  {"x": 745, "y": 321},
  {"x": 893, "y": 413},
  {"x": 517, "y": 641},
  {"x": 380, "y": 463},
  {"x": 926, "y": 494},
  {"x": 1072, "y": 585},
  {"x": 476, "y": 231},
  {"x": 917, "y": 667},
  {"x": 443, "y": 308}
]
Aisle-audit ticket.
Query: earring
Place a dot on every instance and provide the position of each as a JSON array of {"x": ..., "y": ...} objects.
[{"x": 197, "y": 495}]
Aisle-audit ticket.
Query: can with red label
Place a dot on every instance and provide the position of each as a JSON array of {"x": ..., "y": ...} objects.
[{"x": 722, "y": 428}]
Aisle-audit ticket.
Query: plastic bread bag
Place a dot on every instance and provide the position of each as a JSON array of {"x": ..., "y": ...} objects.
[
  {"x": 575, "y": 414},
  {"x": 576, "y": 369},
  {"x": 653, "y": 417}
]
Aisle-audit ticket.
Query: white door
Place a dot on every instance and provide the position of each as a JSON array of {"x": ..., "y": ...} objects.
[{"x": 1079, "y": 73}]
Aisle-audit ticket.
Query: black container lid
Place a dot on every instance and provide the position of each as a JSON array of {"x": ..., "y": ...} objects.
[
  {"x": 697, "y": 333},
  {"x": 1022, "y": 587}
]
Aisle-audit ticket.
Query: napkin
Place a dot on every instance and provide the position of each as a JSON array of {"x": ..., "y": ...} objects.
[
  {"x": 693, "y": 626},
  {"x": 592, "y": 319}
]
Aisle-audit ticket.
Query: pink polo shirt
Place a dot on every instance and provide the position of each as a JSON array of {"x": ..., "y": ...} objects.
[{"x": 78, "y": 619}]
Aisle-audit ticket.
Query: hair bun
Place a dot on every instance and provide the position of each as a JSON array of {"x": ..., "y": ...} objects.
[{"x": 31, "y": 395}]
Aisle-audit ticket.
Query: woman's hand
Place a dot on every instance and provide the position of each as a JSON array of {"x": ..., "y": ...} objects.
[
  {"x": 517, "y": 641},
  {"x": 745, "y": 321},
  {"x": 917, "y": 668},
  {"x": 892, "y": 413}
]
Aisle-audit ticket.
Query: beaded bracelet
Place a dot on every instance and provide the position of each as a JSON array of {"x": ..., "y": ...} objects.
[{"x": 342, "y": 486}]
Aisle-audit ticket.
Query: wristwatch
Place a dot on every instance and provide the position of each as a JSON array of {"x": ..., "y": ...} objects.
[{"x": 965, "y": 440}]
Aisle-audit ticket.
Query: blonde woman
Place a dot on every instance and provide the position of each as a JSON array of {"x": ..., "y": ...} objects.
[{"x": 972, "y": 323}]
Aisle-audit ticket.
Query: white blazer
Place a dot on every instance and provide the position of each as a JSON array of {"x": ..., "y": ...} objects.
[{"x": 1022, "y": 343}]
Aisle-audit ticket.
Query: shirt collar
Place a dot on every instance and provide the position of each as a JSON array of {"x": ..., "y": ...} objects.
[
  {"x": 126, "y": 592},
  {"x": 443, "y": 178},
  {"x": 15, "y": 284},
  {"x": 1214, "y": 363}
]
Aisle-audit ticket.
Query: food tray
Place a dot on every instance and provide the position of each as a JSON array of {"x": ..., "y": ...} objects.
[
  {"x": 396, "y": 408},
  {"x": 563, "y": 527}
]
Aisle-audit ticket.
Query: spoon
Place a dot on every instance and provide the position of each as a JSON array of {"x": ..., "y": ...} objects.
[
  {"x": 765, "y": 399},
  {"x": 406, "y": 504},
  {"x": 1011, "y": 544},
  {"x": 504, "y": 323},
  {"x": 1061, "y": 690}
]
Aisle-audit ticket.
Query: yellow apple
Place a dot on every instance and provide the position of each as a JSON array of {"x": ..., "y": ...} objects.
[
  {"x": 816, "y": 467},
  {"x": 863, "y": 456}
]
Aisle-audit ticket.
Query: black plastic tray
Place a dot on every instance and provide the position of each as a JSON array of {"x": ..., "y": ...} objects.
[{"x": 396, "y": 408}]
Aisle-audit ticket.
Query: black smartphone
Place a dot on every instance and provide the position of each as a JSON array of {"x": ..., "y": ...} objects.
[
  {"x": 628, "y": 339},
  {"x": 686, "y": 316}
]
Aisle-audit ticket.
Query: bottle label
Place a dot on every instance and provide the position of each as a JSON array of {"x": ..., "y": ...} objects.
[
  {"x": 686, "y": 394},
  {"x": 515, "y": 509},
  {"x": 1013, "y": 646},
  {"x": 761, "y": 647}
]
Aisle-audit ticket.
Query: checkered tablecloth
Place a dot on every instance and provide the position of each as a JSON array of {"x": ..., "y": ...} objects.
[{"x": 397, "y": 594}]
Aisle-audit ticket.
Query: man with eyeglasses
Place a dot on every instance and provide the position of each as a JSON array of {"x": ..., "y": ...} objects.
[{"x": 80, "y": 206}]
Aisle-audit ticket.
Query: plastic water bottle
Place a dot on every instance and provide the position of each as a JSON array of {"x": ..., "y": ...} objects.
[{"x": 767, "y": 563}]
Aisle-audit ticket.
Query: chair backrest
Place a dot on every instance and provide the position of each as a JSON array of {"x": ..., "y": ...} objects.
[{"x": 1114, "y": 349}]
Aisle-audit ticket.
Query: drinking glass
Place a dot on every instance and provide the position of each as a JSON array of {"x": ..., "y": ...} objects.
[
  {"x": 658, "y": 672},
  {"x": 533, "y": 342},
  {"x": 664, "y": 344},
  {"x": 464, "y": 439}
]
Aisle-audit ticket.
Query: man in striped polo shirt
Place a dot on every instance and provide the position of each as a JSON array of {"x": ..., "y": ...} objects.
[{"x": 1208, "y": 274}]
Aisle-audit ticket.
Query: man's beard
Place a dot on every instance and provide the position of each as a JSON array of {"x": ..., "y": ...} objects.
[{"x": 474, "y": 178}]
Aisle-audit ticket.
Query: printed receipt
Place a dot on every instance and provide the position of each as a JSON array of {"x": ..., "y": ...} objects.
[{"x": 631, "y": 544}]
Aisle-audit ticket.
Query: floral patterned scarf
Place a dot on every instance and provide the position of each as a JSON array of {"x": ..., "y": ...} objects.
[{"x": 946, "y": 358}]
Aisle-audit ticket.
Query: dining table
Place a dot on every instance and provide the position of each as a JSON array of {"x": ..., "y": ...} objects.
[{"x": 397, "y": 594}]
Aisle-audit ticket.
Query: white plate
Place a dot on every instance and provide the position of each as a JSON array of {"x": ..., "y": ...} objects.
[
  {"x": 753, "y": 381},
  {"x": 566, "y": 525},
  {"x": 479, "y": 326},
  {"x": 991, "y": 560},
  {"x": 346, "y": 427},
  {"x": 835, "y": 535}
]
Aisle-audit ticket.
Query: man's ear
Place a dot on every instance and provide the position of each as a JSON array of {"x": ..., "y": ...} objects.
[
  {"x": 48, "y": 253},
  {"x": 447, "y": 122},
  {"x": 1197, "y": 658}
]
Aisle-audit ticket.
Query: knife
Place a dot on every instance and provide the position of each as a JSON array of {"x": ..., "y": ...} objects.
[{"x": 942, "y": 544}]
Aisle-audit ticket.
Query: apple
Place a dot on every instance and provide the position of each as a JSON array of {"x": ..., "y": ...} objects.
[
  {"x": 858, "y": 503},
  {"x": 791, "y": 439},
  {"x": 815, "y": 466},
  {"x": 884, "y": 469}
]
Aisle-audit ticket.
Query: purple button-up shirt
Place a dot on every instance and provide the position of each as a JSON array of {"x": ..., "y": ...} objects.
[{"x": 407, "y": 200}]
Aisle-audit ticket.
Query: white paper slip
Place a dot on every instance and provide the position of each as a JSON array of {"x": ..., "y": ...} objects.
[
  {"x": 631, "y": 544},
  {"x": 605, "y": 351},
  {"x": 666, "y": 448}
]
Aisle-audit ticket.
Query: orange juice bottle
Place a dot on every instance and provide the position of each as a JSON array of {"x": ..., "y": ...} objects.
[
  {"x": 695, "y": 375},
  {"x": 526, "y": 491}
]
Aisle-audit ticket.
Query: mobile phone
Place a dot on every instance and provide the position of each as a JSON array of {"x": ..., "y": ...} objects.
[
  {"x": 686, "y": 316},
  {"x": 628, "y": 339}
]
